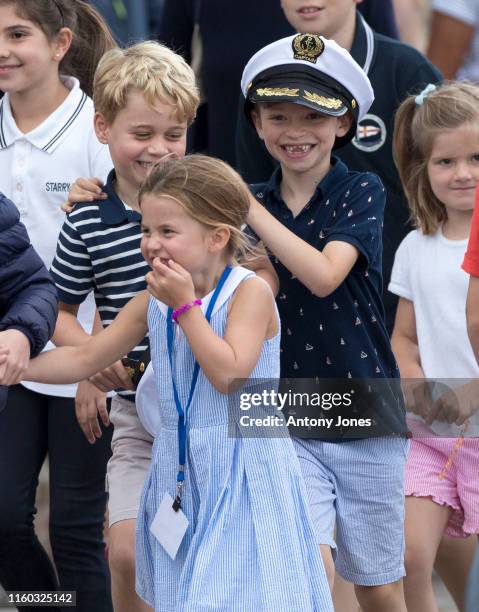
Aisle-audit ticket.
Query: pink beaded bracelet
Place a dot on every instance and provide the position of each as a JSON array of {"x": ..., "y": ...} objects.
[{"x": 179, "y": 311}]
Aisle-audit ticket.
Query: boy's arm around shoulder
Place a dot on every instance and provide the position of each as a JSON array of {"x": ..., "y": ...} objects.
[
  {"x": 251, "y": 320},
  {"x": 323, "y": 271}
]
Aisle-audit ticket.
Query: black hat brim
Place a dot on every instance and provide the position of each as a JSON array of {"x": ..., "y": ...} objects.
[{"x": 302, "y": 85}]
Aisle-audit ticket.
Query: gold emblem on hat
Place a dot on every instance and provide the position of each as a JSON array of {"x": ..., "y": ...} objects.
[
  {"x": 277, "y": 91},
  {"x": 334, "y": 103},
  {"x": 307, "y": 47},
  {"x": 353, "y": 103}
]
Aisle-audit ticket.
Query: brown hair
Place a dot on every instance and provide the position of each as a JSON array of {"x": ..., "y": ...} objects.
[
  {"x": 150, "y": 68},
  {"x": 91, "y": 35},
  {"x": 209, "y": 190},
  {"x": 448, "y": 106}
]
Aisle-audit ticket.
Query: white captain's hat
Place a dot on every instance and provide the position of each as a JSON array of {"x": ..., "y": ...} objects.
[{"x": 312, "y": 71}]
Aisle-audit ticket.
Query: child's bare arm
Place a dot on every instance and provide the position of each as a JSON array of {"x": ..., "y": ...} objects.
[
  {"x": 320, "y": 271},
  {"x": 74, "y": 363},
  {"x": 472, "y": 314},
  {"x": 68, "y": 330},
  {"x": 404, "y": 341}
]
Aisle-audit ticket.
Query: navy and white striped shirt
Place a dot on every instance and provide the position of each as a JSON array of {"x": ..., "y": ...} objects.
[{"x": 98, "y": 250}]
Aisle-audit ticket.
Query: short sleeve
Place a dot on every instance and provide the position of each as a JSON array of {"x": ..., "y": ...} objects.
[
  {"x": 71, "y": 267},
  {"x": 400, "y": 283},
  {"x": 358, "y": 217},
  {"x": 462, "y": 10},
  {"x": 471, "y": 258}
]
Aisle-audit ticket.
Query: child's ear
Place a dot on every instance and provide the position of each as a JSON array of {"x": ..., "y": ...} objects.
[
  {"x": 101, "y": 128},
  {"x": 219, "y": 238},
  {"x": 255, "y": 116},
  {"x": 62, "y": 44},
  {"x": 344, "y": 124}
]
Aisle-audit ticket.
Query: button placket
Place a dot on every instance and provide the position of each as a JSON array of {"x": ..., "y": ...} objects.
[{"x": 20, "y": 158}]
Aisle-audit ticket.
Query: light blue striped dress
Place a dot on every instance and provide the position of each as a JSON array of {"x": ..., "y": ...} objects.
[{"x": 249, "y": 544}]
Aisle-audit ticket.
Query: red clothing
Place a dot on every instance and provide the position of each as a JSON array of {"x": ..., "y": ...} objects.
[{"x": 471, "y": 258}]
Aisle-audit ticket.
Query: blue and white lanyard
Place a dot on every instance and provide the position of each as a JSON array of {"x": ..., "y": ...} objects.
[{"x": 182, "y": 412}]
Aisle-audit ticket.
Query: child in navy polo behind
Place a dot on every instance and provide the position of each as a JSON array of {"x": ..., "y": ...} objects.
[
  {"x": 322, "y": 225},
  {"x": 145, "y": 97}
]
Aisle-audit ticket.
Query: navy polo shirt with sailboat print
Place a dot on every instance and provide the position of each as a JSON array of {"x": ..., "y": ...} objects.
[{"x": 342, "y": 335}]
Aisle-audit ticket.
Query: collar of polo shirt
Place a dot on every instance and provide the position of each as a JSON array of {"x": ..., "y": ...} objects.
[{"x": 50, "y": 133}]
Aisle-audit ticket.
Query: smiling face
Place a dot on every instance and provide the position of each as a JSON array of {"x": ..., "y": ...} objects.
[
  {"x": 169, "y": 232},
  {"x": 325, "y": 17},
  {"x": 300, "y": 138},
  {"x": 453, "y": 167},
  {"x": 139, "y": 137},
  {"x": 28, "y": 59}
]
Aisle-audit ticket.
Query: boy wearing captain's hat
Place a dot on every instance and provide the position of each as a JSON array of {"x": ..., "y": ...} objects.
[{"x": 322, "y": 225}]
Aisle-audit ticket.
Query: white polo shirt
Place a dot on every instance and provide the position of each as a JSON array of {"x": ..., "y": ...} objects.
[{"x": 37, "y": 170}]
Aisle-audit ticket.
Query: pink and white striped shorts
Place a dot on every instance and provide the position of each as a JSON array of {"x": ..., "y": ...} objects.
[{"x": 448, "y": 472}]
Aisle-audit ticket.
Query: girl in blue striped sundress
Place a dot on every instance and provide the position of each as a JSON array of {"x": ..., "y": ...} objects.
[{"x": 236, "y": 535}]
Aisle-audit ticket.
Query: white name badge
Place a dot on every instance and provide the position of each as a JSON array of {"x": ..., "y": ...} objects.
[{"x": 169, "y": 527}]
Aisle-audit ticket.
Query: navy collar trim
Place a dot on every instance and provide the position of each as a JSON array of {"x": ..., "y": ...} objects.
[
  {"x": 363, "y": 47},
  {"x": 113, "y": 211},
  {"x": 337, "y": 171},
  {"x": 3, "y": 142},
  {"x": 68, "y": 123}
]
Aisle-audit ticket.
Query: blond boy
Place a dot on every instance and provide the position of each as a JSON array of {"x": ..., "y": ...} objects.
[{"x": 145, "y": 97}]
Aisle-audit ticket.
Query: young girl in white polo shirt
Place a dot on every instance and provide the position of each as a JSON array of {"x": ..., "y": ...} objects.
[{"x": 49, "y": 50}]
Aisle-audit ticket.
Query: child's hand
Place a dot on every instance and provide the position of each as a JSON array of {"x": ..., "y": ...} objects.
[
  {"x": 457, "y": 405},
  {"x": 15, "y": 355},
  {"x": 89, "y": 403},
  {"x": 84, "y": 190},
  {"x": 417, "y": 396},
  {"x": 4, "y": 353},
  {"x": 170, "y": 284},
  {"x": 113, "y": 377}
]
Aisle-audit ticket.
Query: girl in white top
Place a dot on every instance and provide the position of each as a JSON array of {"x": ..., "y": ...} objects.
[
  {"x": 436, "y": 146},
  {"x": 49, "y": 50}
]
